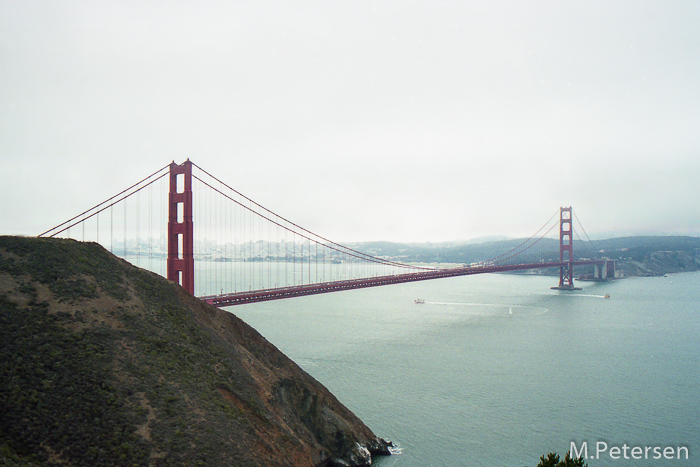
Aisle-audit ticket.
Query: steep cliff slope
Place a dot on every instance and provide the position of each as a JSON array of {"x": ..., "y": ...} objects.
[{"x": 102, "y": 363}]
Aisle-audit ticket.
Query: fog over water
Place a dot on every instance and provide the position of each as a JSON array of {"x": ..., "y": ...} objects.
[{"x": 361, "y": 120}]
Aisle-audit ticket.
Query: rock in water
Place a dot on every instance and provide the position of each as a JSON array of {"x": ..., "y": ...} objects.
[{"x": 103, "y": 364}]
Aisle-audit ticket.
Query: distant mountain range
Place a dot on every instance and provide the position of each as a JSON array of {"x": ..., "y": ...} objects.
[{"x": 636, "y": 256}]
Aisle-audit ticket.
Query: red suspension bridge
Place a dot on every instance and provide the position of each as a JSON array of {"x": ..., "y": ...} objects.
[{"x": 194, "y": 229}]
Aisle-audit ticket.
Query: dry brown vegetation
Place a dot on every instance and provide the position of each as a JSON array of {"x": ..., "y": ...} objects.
[{"x": 102, "y": 363}]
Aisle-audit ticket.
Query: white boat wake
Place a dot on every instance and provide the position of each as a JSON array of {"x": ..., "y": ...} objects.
[{"x": 508, "y": 309}]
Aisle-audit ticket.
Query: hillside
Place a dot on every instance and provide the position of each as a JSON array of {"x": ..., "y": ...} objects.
[
  {"x": 104, "y": 364},
  {"x": 653, "y": 256}
]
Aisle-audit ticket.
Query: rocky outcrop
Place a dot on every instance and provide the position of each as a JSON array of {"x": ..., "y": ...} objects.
[{"x": 102, "y": 363}]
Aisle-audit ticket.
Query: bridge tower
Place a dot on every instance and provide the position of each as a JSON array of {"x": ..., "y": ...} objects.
[
  {"x": 180, "y": 227},
  {"x": 566, "y": 250}
]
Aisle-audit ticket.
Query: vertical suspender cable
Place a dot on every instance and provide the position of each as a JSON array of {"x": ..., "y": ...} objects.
[
  {"x": 125, "y": 227},
  {"x": 138, "y": 228}
]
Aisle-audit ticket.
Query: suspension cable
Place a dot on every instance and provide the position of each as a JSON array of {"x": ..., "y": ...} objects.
[
  {"x": 104, "y": 208},
  {"x": 336, "y": 246},
  {"x": 585, "y": 233},
  {"x": 501, "y": 257},
  {"x": 344, "y": 249},
  {"x": 103, "y": 202},
  {"x": 529, "y": 246},
  {"x": 585, "y": 245}
]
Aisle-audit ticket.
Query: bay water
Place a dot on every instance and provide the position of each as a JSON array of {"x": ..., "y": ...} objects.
[{"x": 497, "y": 370}]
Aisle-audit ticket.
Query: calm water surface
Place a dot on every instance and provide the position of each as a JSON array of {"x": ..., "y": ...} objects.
[{"x": 496, "y": 370}]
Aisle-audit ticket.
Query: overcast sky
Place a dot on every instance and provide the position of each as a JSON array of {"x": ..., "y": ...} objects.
[{"x": 360, "y": 120}]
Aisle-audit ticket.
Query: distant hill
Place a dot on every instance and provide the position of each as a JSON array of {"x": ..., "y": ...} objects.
[
  {"x": 637, "y": 256},
  {"x": 653, "y": 256},
  {"x": 105, "y": 364}
]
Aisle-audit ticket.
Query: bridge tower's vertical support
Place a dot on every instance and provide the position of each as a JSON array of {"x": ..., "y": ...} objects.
[
  {"x": 180, "y": 227},
  {"x": 566, "y": 251}
]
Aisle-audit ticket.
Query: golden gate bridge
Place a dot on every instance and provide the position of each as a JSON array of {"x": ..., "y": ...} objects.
[{"x": 218, "y": 244}]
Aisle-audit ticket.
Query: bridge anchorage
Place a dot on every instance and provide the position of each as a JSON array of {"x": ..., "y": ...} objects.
[{"x": 229, "y": 250}]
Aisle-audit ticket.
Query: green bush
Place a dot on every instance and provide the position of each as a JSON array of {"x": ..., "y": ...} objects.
[{"x": 552, "y": 460}]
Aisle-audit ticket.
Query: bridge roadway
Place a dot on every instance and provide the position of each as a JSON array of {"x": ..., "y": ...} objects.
[{"x": 241, "y": 298}]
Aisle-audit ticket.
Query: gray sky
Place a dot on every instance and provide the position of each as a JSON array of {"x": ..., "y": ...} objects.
[{"x": 360, "y": 120}]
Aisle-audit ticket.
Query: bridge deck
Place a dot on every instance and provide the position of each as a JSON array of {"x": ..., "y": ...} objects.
[{"x": 240, "y": 298}]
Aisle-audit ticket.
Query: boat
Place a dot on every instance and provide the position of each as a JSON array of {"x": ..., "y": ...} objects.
[
  {"x": 607, "y": 295},
  {"x": 419, "y": 301}
]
